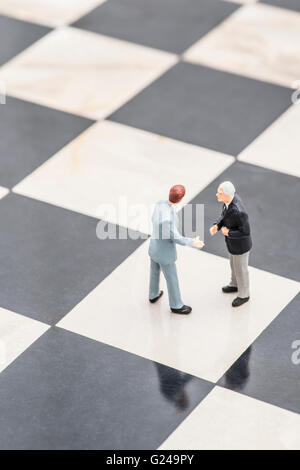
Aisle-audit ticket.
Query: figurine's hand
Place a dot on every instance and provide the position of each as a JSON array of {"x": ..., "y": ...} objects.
[
  {"x": 225, "y": 231},
  {"x": 198, "y": 243},
  {"x": 213, "y": 230}
]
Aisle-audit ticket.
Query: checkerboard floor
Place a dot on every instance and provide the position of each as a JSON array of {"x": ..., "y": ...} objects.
[{"x": 124, "y": 98}]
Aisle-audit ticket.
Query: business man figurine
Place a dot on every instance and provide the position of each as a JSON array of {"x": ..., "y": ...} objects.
[
  {"x": 162, "y": 250},
  {"x": 234, "y": 224}
]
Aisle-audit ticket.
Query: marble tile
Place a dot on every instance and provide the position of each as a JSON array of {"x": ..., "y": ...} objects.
[
  {"x": 258, "y": 41},
  {"x": 207, "y": 107},
  {"x": 67, "y": 392},
  {"x": 171, "y": 25},
  {"x": 48, "y": 12},
  {"x": 278, "y": 147},
  {"x": 30, "y": 134},
  {"x": 15, "y": 36},
  {"x": 17, "y": 333},
  {"x": 143, "y": 173},
  {"x": 289, "y": 4},
  {"x": 205, "y": 343},
  {"x": 82, "y": 72},
  {"x": 270, "y": 369},
  {"x": 51, "y": 258},
  {"x": 226, "y": 420},
  {"x": 3, "y": 192},
  {"x": 272, "y": 202}
]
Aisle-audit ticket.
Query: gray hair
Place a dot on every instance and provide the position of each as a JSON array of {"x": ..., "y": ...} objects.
[{"x": 228, "y": 188}]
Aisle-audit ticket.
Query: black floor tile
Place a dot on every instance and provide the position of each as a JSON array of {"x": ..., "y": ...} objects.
[
  {"x": 207, "y": 107},
  {"x": 286, "y": 4},
  {"x": 69, "y": 392},
  {"x": 272, "y": 201},
  {"x": 15, "y": 36},
  {"x": 270, "y": 369},
  {"x": 172, "y": 25},
  {"x": 30, "y": 134},
  {"x": 51, "y": 258}
]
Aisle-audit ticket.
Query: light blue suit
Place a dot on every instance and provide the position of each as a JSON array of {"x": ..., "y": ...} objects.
[{"x": 162, "y": 251}]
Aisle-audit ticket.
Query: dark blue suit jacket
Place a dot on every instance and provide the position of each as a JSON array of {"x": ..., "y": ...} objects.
[{"x": 236, "y": 219}]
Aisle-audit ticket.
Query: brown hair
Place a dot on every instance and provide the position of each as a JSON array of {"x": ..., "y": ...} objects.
[{"x": 177, "y": 192}]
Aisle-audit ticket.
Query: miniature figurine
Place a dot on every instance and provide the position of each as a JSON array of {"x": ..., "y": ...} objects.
[
  {"x": 162, "y": 250},
  {"x": 234, "y": 224}
]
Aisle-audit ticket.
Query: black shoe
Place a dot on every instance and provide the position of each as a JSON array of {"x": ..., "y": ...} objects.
[
  {"x": 185, "y": 310},
  {"x": 228, "y": 289},
  {"x": 238, "y": 301},
  {"x": 156, "y": 298}
]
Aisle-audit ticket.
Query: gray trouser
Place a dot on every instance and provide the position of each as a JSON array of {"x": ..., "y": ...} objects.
[
  {"x": 240, "y": 273},
  {"x": 170, "y": 274}
]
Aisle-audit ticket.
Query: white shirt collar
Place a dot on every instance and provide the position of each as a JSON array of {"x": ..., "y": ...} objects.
[{"x": 228, "y": 203}]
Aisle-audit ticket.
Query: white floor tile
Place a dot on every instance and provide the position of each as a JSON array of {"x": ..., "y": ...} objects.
[
  {"x": 278, "y": 147},
  {"x": 82, "y": 72},
  {"x": 3, "y": 192},
  {"x": 259, "y": 41},
  {"x": 205, "y": 343},
  {"x": 17, "y": 333},
  {"x": 227, "y": 420},
  {"x": 111, "y": 161},
  {"x": 48, "y": 12}
]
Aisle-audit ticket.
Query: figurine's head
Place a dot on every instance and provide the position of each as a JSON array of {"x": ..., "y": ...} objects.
[
  {"x": 176, "y": 194},
  {"x": 226, "y": 192}
]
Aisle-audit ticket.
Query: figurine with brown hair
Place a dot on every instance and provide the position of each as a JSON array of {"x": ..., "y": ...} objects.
[{"x": 162, "y": 250}]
